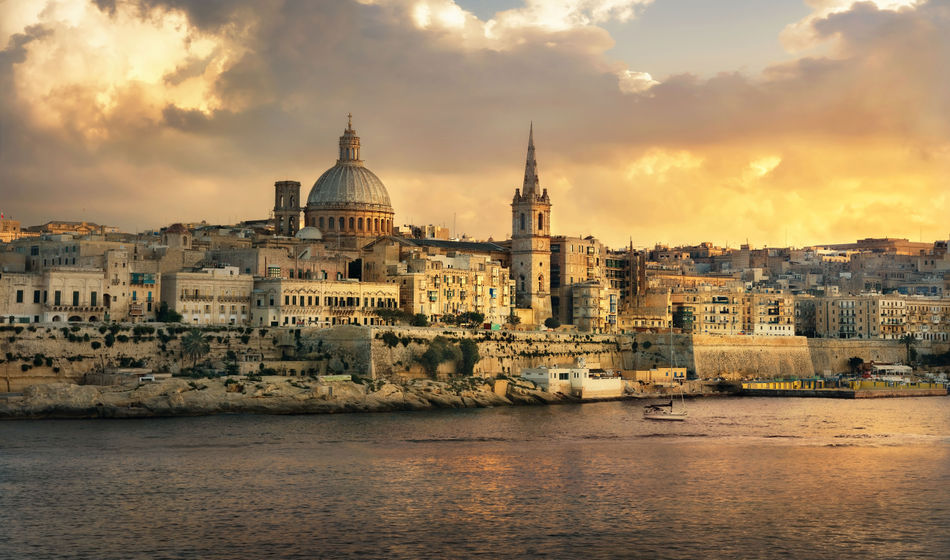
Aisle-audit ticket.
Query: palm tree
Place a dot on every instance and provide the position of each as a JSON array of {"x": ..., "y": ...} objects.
[{"x": 195, "y": 345}]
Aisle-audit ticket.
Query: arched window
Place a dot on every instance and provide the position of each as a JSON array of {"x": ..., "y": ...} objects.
[
  {"x": 321, "y": 222},
  {"x": 540, "y": 221},
  {"x": 376, "y": 224},
  {"x": 522, "y": 221},
  {"x": 331, "y": 222},
  {"x": 291, "y": 201},
  {"x": 359, "y": 224},
  {"x": 540, "y": 282},
  {"x": 342, "y": 223},
  {"x": 351, "y": 224},
  {"x": 280, "y": 201}
]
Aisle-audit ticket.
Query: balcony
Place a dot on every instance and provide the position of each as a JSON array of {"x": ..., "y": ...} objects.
[{"x": 76, "y": 308}]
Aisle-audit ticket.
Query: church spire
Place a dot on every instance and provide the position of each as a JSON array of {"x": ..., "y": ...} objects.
[
  {"x": 349, "y": 143},
  {"x": 530, "y": 186}
]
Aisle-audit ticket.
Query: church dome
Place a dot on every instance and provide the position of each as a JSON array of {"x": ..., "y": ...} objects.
[
  {"x": 349, "y": 184},
  {"x": 309, "y": 233}
]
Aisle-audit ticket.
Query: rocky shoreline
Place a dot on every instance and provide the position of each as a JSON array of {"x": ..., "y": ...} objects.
[{"x": 270, "y": 395}]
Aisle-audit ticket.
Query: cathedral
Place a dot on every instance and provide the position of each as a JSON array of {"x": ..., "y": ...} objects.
[{"x": 348, "y": 205}]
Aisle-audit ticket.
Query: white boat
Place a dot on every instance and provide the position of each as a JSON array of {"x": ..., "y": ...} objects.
[{"x": 665, "y": 411}]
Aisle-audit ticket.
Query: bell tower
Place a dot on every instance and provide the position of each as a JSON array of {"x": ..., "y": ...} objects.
[
  {"x": 531, "y": 241},
  {"x": 286, "y": 208}
]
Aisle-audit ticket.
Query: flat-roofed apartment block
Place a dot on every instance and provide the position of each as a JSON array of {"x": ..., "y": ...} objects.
[
  {"x": 439, "y": 285},
  {"x": 768, "y": 314},
  {"x": 710, "y": 310},
  {"x": 209, "y": 296},
  {"x": 928, "y": 318},
  {"x": 868, "y": 316},
  {"x": 281, "y": 301},
  {"x": 594, "y": 307}
]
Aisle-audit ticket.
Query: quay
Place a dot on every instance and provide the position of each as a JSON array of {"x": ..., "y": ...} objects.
[{"x": 835, "y": 389}]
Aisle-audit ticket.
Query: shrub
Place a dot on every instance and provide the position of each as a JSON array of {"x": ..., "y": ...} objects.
[
  {"x": 122, "y": 338},
  {"x": 38, "y": 360},
  {"x": 552, "y": 323},
  {"x": 419, "y": 320},
  {"x": 18, "y": 329},
  {"x": 109, "y": 340},
  {"x": 390, "y": 339},
  {"x": 96, "y": 345}
]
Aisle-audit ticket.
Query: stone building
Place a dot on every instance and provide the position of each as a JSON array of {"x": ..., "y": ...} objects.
[
  {"x": 348, "y": 203},
  {"x": 768, "y": 314},
  {"x": 210, "y": 296},
  {"x": 574, "y": 260},
  {"x": 284, "y": 302},
  {"x": 9, "y": 230},
  {"x": 594, "y": 307},
  {"x": 531, "y": 242},
  {"x": 437, "y": 284},
  {"x": 864, "y": 316},
  {"x": 928, "y": 319}
]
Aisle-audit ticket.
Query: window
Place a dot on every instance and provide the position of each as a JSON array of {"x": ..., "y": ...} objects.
[
  {"x": 360, "y": 224},
  {"x": 321, "y": 222},
  {"x": 75, "y": 298},
  {"x": 522, "y": 221},
  {"x": 540, "y": 221},
  {"x": 286, "y": 300},
  {"x": 351, "y": 223},
  {"x": 94, "y": 299},
  {"x": 342, "y": 223},
  {"x": 57, "y": 297},
  {"x": 19, "y": 296}
]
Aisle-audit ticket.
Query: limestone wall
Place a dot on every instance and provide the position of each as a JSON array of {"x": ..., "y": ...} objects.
[
  {"x": 711, "y": 356},
  {"x": 502, "y": 352},
  {"x": 57, "y": 352}
]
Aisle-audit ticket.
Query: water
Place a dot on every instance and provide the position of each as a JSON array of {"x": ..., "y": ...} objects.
[{"x": 742, "y": 478}]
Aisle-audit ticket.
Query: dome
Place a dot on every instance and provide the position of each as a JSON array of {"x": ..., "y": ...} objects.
[
  {"x": 348, "y": 185},
  {"x": 351, "y": 185},
  {"x": 309, "y": 233}
]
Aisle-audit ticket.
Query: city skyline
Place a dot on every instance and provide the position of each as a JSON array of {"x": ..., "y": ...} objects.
[{"x": 140, "y": 114}]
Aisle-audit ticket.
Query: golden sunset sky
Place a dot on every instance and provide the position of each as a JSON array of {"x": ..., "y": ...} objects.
[{"x": 671, "y": 121}]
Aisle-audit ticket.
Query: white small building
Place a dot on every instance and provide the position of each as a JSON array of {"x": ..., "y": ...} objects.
[{"x": 579, "y": 381}]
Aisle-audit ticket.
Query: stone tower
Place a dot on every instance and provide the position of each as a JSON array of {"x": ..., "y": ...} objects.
[
  {"x": 531, "y": 241},
  {"x": 286, "y": 208}
]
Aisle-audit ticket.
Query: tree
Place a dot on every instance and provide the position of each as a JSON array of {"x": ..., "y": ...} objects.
[
  {"x": 419, "y": 320},
  {"x": 908, "y": 340},
  {"x": 166, "y": 315},
  {"x": 194, "y": 344},
  {"x": 855, "y": 363},
  {"x": 391, "y": 315},
  {"x": 513, "y": 319},
  {"x": 552, "y": 323},
  {"x": 440, "y": 350},
  {"x": 470, "y": 356},
  {"x": 471, "y": 318}
]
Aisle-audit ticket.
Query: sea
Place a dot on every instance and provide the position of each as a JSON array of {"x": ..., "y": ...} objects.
[{"x": 741, "y": 478}]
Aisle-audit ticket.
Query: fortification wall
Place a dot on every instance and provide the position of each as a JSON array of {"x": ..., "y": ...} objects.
[
  {"x": 56, "y": 352},
  {"x": 711, "y": 356},
  {"x": 502, "y": 352}
]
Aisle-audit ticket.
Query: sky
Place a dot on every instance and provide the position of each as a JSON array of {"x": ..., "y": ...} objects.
[{"x": 786, "y": 122}]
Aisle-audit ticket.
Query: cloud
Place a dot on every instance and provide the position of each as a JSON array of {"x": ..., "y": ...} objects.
[{"x": 142, "y": 113}]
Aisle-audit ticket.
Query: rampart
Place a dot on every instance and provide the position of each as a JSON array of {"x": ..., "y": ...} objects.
[{"x": 47, "y": 353}]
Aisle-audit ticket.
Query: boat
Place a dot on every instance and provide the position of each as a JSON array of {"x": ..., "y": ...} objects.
[{"x": 665, "y": 411}]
